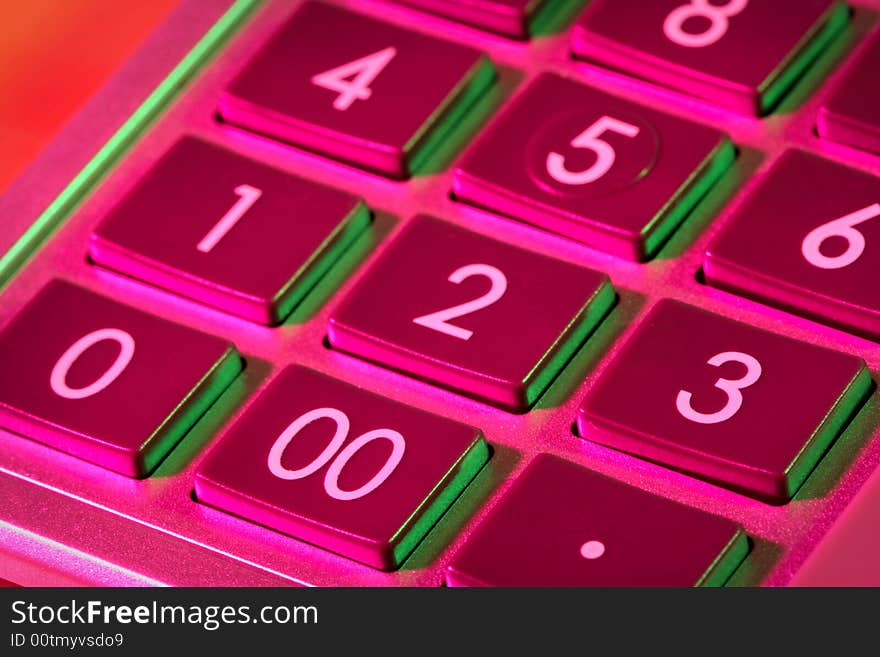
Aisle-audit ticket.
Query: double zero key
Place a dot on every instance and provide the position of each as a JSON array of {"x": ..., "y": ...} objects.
[
  {"x": 598, "y": 169},
  {"x": 105, "y": 382},
  {"x": 471, "y": 313},
  {"x": 728, "y": 402},
  {"x": 344, "y": 469},
  {"x": 357, "y": 89},
  {"x": 562, "y": 525}
]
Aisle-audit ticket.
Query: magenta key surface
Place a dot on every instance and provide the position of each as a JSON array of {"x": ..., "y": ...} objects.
[
  {"x": 563, "y": 525},
  {"x": 357, "y": 89},
  {"x": 725, "y": 401},
  {"x": 596, "y": 168},
  {"x": 807, "y": 240},
  {"x": 851, "y": 114},
  {"x": 105, "y": 382},
  {"x": 741, "y": 54},
  {"x": 514, "y": 18},
  {"x": 339, "y": 467},
  {"x": 470, "y": 313},
  {"x": 228, "y": 231}
]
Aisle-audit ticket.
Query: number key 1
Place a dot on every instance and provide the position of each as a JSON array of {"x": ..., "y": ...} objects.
[
  {"x": 807, "y": 240},
  {"x": 725, "y": 401},
  {"x": 471, "y": 313},
  {"x": 228, "y": 231}
]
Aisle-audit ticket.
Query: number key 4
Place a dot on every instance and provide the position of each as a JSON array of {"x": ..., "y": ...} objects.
[
  {"x": 601, "y": 170},
  {"x": 357, "y": 89},
  {"x": 725, "y": 401},
  {"x": 807, "y": 240},
  {"x": 470, "y": 313},
  {"x": 742, "y": 54}
]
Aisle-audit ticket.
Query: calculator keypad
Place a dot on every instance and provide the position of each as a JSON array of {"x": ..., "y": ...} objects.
[{"x": 598, "y": 169}]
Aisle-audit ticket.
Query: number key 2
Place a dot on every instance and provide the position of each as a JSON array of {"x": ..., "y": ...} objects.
[
  {"x": 595, "y": 168},
  {"x": 562, "y": 525},
  {"x": 470, "y": 313},
  {"x": 807, "y": 240},
  {"x": 105, "y": 382},
  {"x": 723, "y": 400},
  {"x": 742, "y": 54},
  {"x": 341, "y": 468},
  {"x": 357, "y": 89},
  {"x": 228, "y": 231}
]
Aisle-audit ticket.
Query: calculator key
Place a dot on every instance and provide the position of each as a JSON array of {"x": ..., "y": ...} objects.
[
  {"x": 105, "y": 382},
  {"x": 807, "y": 240},
  {"x": 563, "y": 525},
  {"x": 357, "y": 89},
  {"x": 341, "y": 468},
  {"x": 228, "y": 231},
  {"x": 467, "y": 312},
  {"x": 740, "y": 54},
  {"x": 851, "y": 114},
  {"x": 513, "y": 18},
  {"x": 728, "y": 402},
  {"x": 598, "y": 169}
]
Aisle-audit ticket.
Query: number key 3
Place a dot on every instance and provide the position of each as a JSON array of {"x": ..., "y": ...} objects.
[
  {"x": 230, "y": 232},
  {"x": 725, "y": 401},
  {"x": 460, "y": 309},
  {"x": 807, "y": 240}
]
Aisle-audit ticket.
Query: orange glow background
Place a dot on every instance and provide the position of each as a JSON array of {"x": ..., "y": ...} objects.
[{"x": 53, "y": 55}]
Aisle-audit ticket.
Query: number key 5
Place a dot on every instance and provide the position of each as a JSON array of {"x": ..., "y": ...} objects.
[
  {"x": 725, "y": 401},
  {"x": 807, "y": 240},
  {"x": 593, "y": 167},
  {"x": 460, "y": 310}
]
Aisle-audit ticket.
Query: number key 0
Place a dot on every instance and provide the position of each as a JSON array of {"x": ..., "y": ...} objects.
[
  {"x": 726, "y": 401},
  {"x": 344, "y": 469},
  {"x": 471, "y": 313}
]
